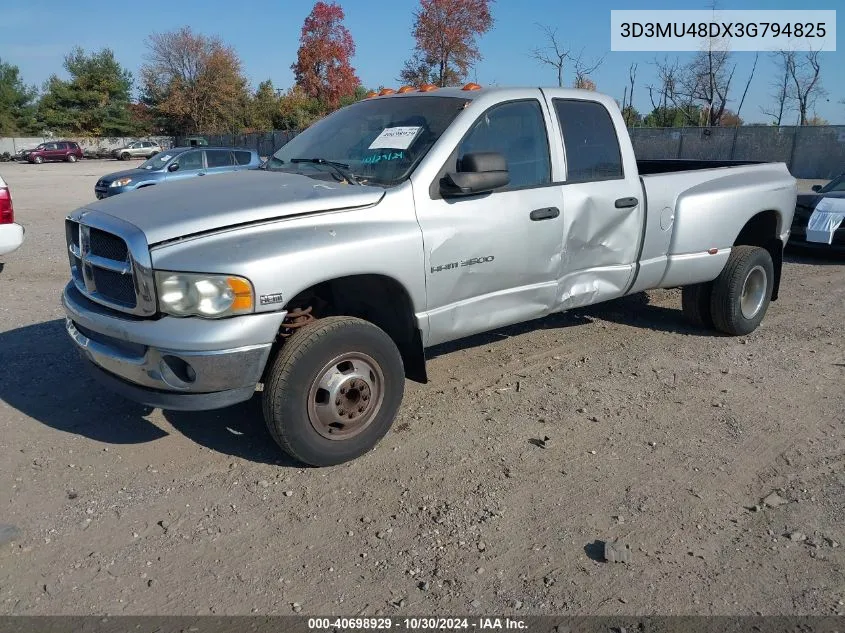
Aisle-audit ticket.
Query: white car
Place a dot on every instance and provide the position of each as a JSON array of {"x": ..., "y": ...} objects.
[{"x": 11, "y": 234}]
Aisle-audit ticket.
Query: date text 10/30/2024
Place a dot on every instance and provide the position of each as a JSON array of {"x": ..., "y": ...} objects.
[{"x": 416, "y": 624}]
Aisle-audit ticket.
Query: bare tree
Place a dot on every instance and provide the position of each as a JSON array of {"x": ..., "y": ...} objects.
[
  {"x": 628, "y": 96},
  {"x": 706, "y": 81},
  {"x": 553, "y": 53},
  {"x": 804, "y": 71},
  {"x": 583, "y": 69},
  {"x": 664, "y": 94},
  {"x": 747, "y": 84},
  {"x": 556, "y": 55},
  {"x": 781, "y": 87}
]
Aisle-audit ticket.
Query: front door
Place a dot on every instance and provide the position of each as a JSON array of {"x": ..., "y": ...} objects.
[
  {"x": 494, "y": 259},
  {"x": 190, "y": 165}
]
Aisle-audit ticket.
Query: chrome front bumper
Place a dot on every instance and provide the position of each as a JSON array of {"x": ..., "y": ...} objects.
[{"x": 169, "y": 362}]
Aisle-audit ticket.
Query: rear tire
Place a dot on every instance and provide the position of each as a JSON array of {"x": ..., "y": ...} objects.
[
  {"x": 71, "y": 158},
  {"x": 743, "y": 290},
  {"x": 695, "y": 303},
  {"x": 333, "y": 390}
]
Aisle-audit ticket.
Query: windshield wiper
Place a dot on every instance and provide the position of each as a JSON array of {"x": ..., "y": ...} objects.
[{"x": 342, "y": 169}]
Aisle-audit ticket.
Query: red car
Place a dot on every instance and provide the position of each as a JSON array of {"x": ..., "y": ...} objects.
[{"x": 55, "y": 150}]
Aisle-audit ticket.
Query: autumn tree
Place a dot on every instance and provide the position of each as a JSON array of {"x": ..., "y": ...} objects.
[
  {"x": 323, "y": 69},
  {"x": 17, "y": 109},
  {"x": 94, "y": 100},
  {"x": 446, "y": 48},
  {"x": 194, "y": 82}
]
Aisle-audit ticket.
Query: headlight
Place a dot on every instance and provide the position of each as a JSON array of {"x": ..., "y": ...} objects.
[
  {"x": 209, "y": 296},
  {"x": 120, "y": 182}
]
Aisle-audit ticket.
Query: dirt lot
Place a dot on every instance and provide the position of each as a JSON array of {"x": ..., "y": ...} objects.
[{"x": 657, "y": 433}]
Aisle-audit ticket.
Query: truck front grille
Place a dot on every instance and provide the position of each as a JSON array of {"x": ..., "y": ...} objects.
[{"x": 103, "y": 269}]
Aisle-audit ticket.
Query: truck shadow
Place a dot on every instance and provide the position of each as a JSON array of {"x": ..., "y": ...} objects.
[
  {"x": 634, "y": 310},
  {"x": 42, "y": 376}
]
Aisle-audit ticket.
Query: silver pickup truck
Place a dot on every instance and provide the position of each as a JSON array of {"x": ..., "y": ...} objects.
[{"x": 397, "y": 223}]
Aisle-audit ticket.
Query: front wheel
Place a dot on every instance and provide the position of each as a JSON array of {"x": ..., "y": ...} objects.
[
  {"x": 37, "y": 160},
  {"x": 333, "y": 390},
  {"x": 743, "y": 290},
  {"x": 124, "y": 156}
]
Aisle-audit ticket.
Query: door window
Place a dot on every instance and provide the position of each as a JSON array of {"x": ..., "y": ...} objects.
[
  {"x": 218, "y": 158},
  {"x": 243, "y": 158},
  {"x": 590, "y": 141},
  {"x": 190, "y": 161},
  {"x": 517, "y": 131}
]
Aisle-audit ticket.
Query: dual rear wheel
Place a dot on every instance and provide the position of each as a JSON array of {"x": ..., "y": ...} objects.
[{"x": 736, "y": 301}]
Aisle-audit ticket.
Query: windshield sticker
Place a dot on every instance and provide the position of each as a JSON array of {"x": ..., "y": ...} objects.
[
  {"x": 377, "y": 158},
  {"x": 167, "y": 157},
  {"x": 395, "y": 138}
]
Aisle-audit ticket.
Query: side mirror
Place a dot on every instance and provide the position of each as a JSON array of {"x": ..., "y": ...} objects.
[
  {"x": 479, "y": 172},
  {"x": 173, "y": 167},
  {"x": 817, "y": 188}
]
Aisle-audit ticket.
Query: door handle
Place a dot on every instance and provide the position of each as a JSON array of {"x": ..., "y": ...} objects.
[
  {"x": 202, "y": 173},
  {"x": 626, "y": 203},
  {"x": 545, "y": 214}
]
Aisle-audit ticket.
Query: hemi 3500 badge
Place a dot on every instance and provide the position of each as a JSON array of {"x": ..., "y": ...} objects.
[{"x": 465, "y": 262}]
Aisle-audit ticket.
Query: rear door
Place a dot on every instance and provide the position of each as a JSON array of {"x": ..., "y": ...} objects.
[
  {"x": 218, "y": 161},
  {"x": 55, "y": 151},
  {"x": 603, "y": 210}
]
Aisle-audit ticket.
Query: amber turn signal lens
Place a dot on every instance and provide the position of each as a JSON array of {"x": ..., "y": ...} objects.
[
  {"x": 471, "y": 86},
  {"x": 243, "y": 293},
  {"x": 405, "y": 89},
  {"x": 427, "y": 88}
]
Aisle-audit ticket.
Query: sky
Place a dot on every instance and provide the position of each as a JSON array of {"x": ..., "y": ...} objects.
[{"x": 36, "y": 34}]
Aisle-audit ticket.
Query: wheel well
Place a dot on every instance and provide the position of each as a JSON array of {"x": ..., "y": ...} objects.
[
  {"x": 762, "y": 230},
  {"x": 382, "y": 301}
]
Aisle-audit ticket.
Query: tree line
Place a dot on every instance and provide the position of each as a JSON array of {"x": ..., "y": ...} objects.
[{"x": 194, "y": 83}]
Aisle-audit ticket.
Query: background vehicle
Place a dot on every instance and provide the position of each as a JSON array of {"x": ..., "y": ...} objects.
[
  {"x": 11, "y": 234},
  {"x": 177, "y": 164},
  {"x": 54, "y": 151},
  {"x": 804, "y": 207},
  {"x": 138, "y": 149},
  {"x": 195, "y": 141},
  {"x": 399, "y": 223}
]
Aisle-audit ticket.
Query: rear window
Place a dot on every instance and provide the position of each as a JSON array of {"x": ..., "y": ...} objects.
[
  {"x": 590, "y": 141},
  {"x": 218, "y": 158},
  {"x": 243, "y": 158}
]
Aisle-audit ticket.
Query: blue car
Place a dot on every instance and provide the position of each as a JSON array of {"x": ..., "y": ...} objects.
[{"x": 177, "y": 164}]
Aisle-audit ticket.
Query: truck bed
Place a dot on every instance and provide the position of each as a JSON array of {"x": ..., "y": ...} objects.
[{"x": 662, "y": 166}]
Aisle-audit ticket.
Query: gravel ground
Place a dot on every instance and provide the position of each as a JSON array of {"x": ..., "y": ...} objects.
[{"x": 493, "y": 493}]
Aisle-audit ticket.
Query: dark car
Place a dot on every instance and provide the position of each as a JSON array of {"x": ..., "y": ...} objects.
[
  {"x": 804, "y": 208},
  {"x": 54, "y": 151},
  {"x": 177, "y": 164}
]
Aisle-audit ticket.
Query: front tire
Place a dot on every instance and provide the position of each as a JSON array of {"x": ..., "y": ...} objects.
[
  {"x": 333, "y": 390},
  {"x": 124, "y": 156},
  {"x": 743, "y": 290},
  {"x": 38, "y": 160}
]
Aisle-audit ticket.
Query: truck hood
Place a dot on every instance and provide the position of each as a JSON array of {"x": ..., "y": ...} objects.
[{"x": 198, "y": 205}]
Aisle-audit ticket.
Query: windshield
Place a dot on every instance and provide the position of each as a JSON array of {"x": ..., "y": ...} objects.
[
  {"x": 156, "y": 162},
  {"x": 837, "y": 184},
  {"x": 380, "y": 141}
]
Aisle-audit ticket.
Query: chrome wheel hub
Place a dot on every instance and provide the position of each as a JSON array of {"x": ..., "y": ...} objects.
[
  {"x": 754, "y": 290},
  {"x": 345, "y": 396}
]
